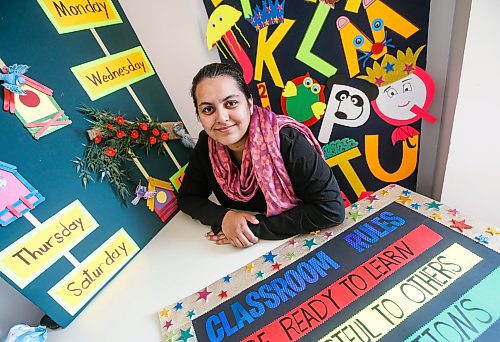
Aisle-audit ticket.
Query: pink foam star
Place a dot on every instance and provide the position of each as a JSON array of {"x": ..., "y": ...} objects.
[
  {"x": 372, "y": 198},
  {"x": 292, "y": 243},
  {"x": 168, "y": 324},
  {"x": 409, "y": 68},
  {"x": 379, "y": 80},
  {"x": 454, "y": 212},
  {"x": 328, "y": 235},
  {"x": 203, "y": 294}
]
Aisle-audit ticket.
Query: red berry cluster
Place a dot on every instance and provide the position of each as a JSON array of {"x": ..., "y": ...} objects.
[{"x": 152, "y": 135}]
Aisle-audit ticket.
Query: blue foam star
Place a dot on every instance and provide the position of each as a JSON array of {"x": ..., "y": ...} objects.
[
  {"x": 269, "y": 257},
  {"x": 178, "y": 306},
  {"x": 228, "y": 279},
  {"x": 416, "y": 206},
  {"x": 406, "y": 192},
  {"x": 483, "y": 239},
  {"x": 389, "y": 67}
]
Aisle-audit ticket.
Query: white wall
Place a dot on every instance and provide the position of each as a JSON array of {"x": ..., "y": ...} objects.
[
  {"x": 173, "y": 35},
  {"x": 472, "y": 177}
]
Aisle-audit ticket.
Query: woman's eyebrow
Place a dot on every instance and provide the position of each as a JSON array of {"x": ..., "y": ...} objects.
[{"x": 228, "y": 97}]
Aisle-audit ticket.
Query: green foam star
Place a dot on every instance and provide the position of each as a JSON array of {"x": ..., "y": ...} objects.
[
  {"x": 309, "y": 243},
  {"x": 185, "y": 335}
]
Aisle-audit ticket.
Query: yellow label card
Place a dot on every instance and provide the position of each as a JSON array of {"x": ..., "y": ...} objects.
[
  {"x": 76, "y": 15},
  {"x": 381, "y": 316},
  {"x": 81, "y": 284},
  {"x": 36, "y": 251},
  {"x": 108, "y": 74}
]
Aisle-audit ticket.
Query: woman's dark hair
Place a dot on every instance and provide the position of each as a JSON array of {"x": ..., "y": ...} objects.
[{"x": 219, "y": 69}]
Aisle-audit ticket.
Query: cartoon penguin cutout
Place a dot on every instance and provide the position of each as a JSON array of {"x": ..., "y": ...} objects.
[{"x": 348, "y": 104}]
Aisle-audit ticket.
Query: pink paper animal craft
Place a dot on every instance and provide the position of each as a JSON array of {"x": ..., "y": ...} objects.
[{"x": 17, "y": 196}]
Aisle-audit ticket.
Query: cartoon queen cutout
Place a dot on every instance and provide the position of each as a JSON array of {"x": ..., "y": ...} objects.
[{"x": 405, "y": 92}]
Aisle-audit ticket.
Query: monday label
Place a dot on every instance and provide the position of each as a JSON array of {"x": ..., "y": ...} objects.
[
  {"x": 81, "y": 284},
  {"x": 36, "y": 251},
  {"x": 76, "y": 15},
  {"x": 111, "y": 73}
]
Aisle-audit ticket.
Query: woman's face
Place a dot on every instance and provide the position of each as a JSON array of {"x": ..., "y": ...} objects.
[{"x": 224, "y": 111}]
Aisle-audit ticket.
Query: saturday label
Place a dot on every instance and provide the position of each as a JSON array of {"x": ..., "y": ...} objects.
[
  {"x": 75, "y": 15},
  {"x": 81, "y": 284},
  {"x": 109, "y": 74},
  {"x": 36, "y": 251}
]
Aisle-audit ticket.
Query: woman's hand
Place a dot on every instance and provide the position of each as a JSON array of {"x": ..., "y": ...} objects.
[
  {"x": 219, "y": 239},
  {"x": 236, "y": 230}
]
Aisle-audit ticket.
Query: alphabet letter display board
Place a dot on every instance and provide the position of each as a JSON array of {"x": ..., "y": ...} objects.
[
  {"x": 352, "y": 71},
  {"x": 401, "y": 267},
  {"x": 60, "y": 244}
]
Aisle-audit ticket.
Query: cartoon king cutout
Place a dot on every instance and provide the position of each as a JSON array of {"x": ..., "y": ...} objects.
[{"x": 405, "y": 92}]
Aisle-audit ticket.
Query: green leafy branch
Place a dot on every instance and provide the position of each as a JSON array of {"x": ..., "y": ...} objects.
[{"x": 112, "y": 140}]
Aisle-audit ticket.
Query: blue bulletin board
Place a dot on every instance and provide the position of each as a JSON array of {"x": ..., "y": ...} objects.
[{"x": 60, "y": 243}]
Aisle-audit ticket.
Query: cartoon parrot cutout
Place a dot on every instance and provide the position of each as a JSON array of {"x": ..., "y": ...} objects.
[{"x": 303, "y": 99}]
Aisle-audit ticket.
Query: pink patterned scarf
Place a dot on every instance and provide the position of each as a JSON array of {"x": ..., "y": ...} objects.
[{"x": 262, "y": 165}]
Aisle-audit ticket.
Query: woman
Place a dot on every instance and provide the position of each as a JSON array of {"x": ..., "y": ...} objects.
[{"x": 253, "y": 161}]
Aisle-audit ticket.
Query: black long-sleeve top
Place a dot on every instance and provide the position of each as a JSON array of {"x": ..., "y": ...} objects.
[{"x": 312, "y": 180}]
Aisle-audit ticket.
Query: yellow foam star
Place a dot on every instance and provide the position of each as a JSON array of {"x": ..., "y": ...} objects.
[
  {"x": 436, "y": 216},
  {"x": 250, "y": 267},
  {"x": 492, "y": 231},
  {"x": 404, "y": 199},
  {"x": 316, "y": 232},
  {"x": 384, "y": 192},
  {"x": 165, "y": 313}
]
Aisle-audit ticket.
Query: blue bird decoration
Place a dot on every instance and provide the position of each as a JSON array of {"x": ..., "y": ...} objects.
[{"x": 13, "y": 79}]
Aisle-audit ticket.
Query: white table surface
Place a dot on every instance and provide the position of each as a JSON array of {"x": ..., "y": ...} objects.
[{"x": 178, "y": 262}]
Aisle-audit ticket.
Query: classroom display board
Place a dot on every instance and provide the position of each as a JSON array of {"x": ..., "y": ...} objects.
[
  {"x": 351, "y": 70},
  {"x": 401, "y": 267},
  {"x": 60, "y": 244}
]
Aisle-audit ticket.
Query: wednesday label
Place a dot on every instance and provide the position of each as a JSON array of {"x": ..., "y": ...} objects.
[
  {"x": 108, "y": 74},
  {"x": 81, "y": 284},
  {"x": 76, "y": 15}
]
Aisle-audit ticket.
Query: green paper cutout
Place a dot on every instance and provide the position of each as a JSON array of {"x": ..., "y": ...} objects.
[{"x": 304, "y": 53}]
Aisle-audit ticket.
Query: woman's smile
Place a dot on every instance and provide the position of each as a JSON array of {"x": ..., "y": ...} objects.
[{"x": 225, "y": 129}]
